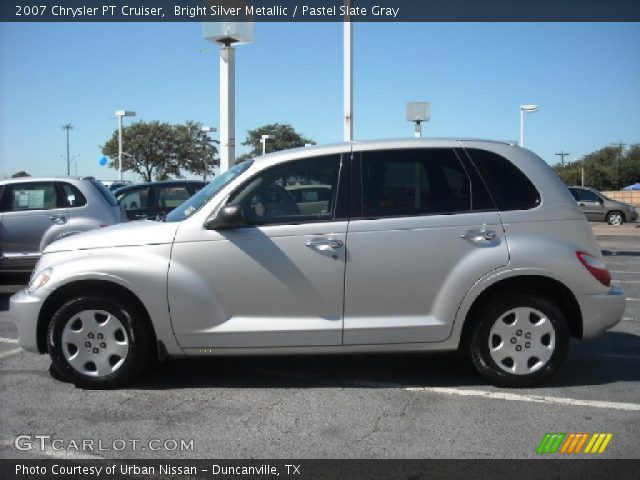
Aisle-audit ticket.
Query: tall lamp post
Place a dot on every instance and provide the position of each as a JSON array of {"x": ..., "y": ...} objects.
[
  {"x": 227, "y": 35},
  {"x": 68, "y": 127},
  {"x": 348, "y": 74},
  {"x": 120, "y": 114},
  {"x": 525, "y": 109},
  {"x": 207, "y": 130},
  {"x": 263, "y": 141}
]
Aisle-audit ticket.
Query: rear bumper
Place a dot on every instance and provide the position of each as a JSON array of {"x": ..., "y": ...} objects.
[
  {"x": 601, "y": 312},
  {"x": 24, "y": 310}
]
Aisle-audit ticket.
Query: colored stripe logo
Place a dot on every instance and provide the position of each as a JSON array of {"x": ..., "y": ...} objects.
[{"x": 573, "y": 443}]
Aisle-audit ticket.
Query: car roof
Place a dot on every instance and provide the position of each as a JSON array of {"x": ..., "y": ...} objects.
[
  {"x": 337, "y": 148},
  {"x": 8, "y": 181}
]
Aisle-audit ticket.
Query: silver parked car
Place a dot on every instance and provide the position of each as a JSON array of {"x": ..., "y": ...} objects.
[
  {"x": 423, "y": 245},
  {"x": 597, "y": 207},
  {"x": 35, "y": 212}
]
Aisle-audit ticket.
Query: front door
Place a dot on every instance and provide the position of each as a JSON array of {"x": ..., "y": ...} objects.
[
  {"x": 426, "y": 230},
  {"x": 278, "y": 281}
]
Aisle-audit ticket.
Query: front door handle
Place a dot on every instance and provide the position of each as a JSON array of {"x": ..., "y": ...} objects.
[
  {"x": 58, "y": 219},
  {"x": 326, "y": 245},
  {"x": 330, "y": 242}
]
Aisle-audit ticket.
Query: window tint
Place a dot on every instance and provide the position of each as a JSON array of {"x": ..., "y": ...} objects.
[
  {"x": 71, "y": 196},
  {"x": 32, "y": 196},
  {"x": 585, "y": 195},
  {"x": 418, "y": 182},
  {"x": 510, "y": 188},
  {"x": 171, "y": 197},
  {"x": 134, "y": 199},
  {"x": 278, "y": 194}
]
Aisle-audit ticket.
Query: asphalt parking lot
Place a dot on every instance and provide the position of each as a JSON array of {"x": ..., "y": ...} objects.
[{"x": 364, "y": 406}]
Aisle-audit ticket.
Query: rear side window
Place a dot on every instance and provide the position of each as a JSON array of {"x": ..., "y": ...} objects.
[
  {"x": 71, "y": 196},
  {"x": 583, "y": 195},
  {"x": 171, "y": 196},
  {"x": 510, "y": 188},
  {"x": 418, "y": 182},
  {"x": 134, "y": 199},
  {"x": 104, "y": 191}
]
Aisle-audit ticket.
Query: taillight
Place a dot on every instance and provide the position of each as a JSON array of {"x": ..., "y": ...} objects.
[{"x": 596, "y": 267}]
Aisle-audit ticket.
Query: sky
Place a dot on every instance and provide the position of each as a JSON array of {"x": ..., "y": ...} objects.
[{"x": 584, "y": 76}]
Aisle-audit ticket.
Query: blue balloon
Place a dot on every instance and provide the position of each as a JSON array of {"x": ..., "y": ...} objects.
[{"x": 103, "y": 161}]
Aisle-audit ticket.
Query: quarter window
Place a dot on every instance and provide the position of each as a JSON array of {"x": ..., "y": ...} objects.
[
  {"x": 299, "y": 191},
  {"x": 511, "y": 189},
  {"x": 72, "y": 197},
  {"x": 418, "y": 182}
]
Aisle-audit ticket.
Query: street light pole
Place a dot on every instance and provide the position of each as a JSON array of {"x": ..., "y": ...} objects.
[
  {"x": 348, "y": 74},
  {"x": 120, "y": 114},
  {"x": 525, "y": 109},
  {"x": 263, "y": 141},
  {"x": 207, "y": 129},
  {"x": 227, "y": 106},
  {"x": 67, "y": 127}
]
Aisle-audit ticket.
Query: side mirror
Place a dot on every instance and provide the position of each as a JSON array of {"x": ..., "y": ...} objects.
[{"x": 229, "y": 216}]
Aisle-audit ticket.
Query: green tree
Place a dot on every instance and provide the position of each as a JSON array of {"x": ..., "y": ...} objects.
[
  {"x": 162, "y": 151},
  {"x": 20, "y": 174},
  {"x": 283, "y": 136}
]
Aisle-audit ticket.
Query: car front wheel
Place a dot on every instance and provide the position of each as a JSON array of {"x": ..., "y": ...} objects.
[
  {"x": 519, "y": 340},
  {"x": 97, "y": 342}
]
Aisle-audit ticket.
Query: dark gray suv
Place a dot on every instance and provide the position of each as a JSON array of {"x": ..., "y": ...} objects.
[{"x": 600, "y": 208}]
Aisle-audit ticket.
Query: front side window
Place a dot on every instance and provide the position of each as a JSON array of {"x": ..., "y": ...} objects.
[
  {"x": 285, "y": 193},
  {"x": 32, "y": 196},
  {"x": 417, "y": 182}
]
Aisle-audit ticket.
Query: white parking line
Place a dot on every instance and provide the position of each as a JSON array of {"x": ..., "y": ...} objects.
[
  {"x": 574, "y": 402},
  {"x": 10, "y": 353},
  {"x": 624, "y": 272},
  {"x": 625, "y": 281},
  {"x": 633, "y": 299},
  {"x": 8, "y": 340}
]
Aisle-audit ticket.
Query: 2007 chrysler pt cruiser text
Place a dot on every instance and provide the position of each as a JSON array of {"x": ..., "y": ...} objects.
[{"x": 390, "y": 246}]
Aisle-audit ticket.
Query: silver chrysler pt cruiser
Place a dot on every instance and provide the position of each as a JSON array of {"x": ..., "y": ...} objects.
[{"x": 389, "y": 246}]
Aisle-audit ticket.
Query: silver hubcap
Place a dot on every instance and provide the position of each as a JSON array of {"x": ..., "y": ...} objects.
[
  {"x": 615, "y": 219},
  {"x": 522, "y": 341},
  {"x": 95, "y": 343}
]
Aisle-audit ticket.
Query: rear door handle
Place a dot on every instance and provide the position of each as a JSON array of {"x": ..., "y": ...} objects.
[
  {"x": 58, "y": 219},
  {"x": 477, "y": 235}
]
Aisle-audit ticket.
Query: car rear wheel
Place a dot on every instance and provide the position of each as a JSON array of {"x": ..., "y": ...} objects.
[
  {"x": 519, "y": 340},
  {"x": 97, "y": 342},
  {"x": 615, "y": 218}
]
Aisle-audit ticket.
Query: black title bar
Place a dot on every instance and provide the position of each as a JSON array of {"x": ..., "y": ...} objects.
[{"x": 320, "y": 10}]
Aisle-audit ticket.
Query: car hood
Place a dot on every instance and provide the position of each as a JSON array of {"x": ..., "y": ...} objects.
[{"x": 142, "y": 232}]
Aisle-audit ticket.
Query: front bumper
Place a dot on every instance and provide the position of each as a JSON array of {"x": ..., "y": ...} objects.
[
  {"x": 601, "y": 312},
  {"x": 24, "y": 309}
]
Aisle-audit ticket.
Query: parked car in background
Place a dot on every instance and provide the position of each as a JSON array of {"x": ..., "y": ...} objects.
[
  {"x": 155, "y": 199},
  {"x": 600, "y": 208},
  {"x": 115, "y": 184},
  {"x": 424, "y": 245},
  {"x": 35, "y": 212}
]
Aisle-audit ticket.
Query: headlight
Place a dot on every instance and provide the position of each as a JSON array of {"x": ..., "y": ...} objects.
[{"x": 39, "y": 280}]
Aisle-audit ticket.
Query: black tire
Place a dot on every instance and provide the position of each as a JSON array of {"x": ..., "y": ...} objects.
[
  {"x": 615, "y": 217},
  {"x": 488, "y": 317},
  {"x": 130, "y": 320}
]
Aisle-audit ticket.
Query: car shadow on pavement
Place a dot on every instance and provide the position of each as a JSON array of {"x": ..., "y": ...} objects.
[{"x": 611, "y": 358}]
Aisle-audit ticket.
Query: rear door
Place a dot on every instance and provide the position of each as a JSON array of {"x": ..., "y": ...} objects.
[
  {"x": 590, "y": 204},
  {"x": 31, "y": 210},
  {"x": 423, "y": 231}
]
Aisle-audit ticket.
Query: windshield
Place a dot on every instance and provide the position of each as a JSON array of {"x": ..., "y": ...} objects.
[{"x": 196, "y": 202}]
